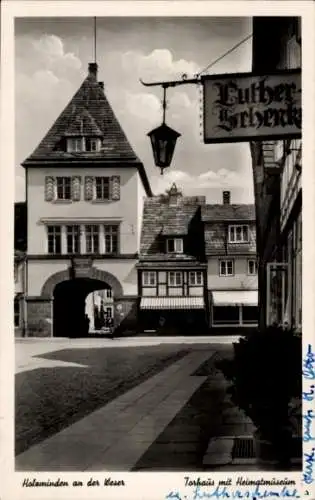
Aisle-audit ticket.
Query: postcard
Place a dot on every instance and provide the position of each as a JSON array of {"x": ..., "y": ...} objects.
[{"x": 157, "y": 298}]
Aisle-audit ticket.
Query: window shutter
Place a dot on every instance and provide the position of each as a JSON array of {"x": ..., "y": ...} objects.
[
  {"x": 88, "y": 189},
  {"x": 76, "y": 188},
  {"x": 115, "y": 187},
  {"x": 49, "y": 188}
]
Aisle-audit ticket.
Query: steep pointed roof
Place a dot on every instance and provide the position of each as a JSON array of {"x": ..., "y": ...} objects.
[{"x": 88, "y": 113}]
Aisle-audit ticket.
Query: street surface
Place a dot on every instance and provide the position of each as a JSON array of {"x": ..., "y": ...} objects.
[{"x": 124, "y": 404}]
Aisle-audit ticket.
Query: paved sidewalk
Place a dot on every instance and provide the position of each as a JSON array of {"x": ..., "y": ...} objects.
[{"x": 117, "y": 435}]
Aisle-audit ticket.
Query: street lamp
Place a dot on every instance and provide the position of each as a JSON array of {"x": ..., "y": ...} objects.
[{"x": 163, "y": 141}]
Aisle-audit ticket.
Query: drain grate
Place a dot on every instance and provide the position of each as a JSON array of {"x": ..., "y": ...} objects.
[{"x": 244, "y": 448}]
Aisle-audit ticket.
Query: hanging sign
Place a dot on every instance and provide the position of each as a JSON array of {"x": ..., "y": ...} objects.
[{"x": 245, "y": 107}]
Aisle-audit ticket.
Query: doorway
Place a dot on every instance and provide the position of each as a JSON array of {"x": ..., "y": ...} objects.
[{"x": 69, "y": 306}]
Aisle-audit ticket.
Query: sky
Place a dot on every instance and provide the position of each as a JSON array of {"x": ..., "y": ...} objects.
[{"x": 51, "y": 61}]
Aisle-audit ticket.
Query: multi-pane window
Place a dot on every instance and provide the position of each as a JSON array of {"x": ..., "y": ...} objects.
[
  {"x": 73, "y": 239},
  {"x": 92, "y": 237},
  {"x": 175, "y": 278},
  {"x": 195, "y": 278},
  {"x": 252, "y": 267},
  {"x": 76, "y": 144},
  {"x": 226, "y": 267},
  {"x": 102, "y": 188},
  {"x": 175, "y": 245},
  {"x": 238, "y": 234},
  {"x": 63, "y": 188},
  {"x": 54, "y": 239},
  {"x": 92, "y": 145},
  {"x": 111, "y": 239},
  {"x": 149, "y": 278}
]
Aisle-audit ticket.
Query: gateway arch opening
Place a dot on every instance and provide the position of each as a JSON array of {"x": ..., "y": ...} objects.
[{"x": 81, "y": 306}]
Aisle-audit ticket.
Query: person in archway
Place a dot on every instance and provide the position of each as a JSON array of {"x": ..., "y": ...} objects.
[{"x": 87, "y": 324}]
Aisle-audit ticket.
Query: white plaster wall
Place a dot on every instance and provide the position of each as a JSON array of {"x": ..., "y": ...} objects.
[
  {"x": 141, "y": 197},
  {"x": 40, "y": 270},
  {"x": 124, "y": 270},
  {"x": 19, "y": 284},
  {"x": 240, "y": 281},
  {"x": 126, "y": 208}
]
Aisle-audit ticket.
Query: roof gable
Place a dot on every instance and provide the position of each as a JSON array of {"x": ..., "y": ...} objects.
[
  {"x": 160, "y": 219},
  {"x": 89, "y": 108},
  {"x": 228, "y": 213}
]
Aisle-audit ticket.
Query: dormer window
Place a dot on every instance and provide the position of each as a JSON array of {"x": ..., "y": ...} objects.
[
  {"x": 80, "y": 144},
  {"x": 93, "y": 145},
  {"x": 238, "y": 234},
  {"x": 174, "y": 245}
]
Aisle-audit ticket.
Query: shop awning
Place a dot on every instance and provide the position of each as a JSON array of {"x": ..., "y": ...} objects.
[
  {"x": 172, "y": 303},
  {"x": 235, "y": 298}
]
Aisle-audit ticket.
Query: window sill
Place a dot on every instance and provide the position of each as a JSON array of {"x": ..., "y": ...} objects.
[
  {"x": 63, "y": 202},
  {"x": 102, "y": 201}
]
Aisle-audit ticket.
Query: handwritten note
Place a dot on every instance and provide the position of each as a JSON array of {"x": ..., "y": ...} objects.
[{"x": 308, "y": 415}]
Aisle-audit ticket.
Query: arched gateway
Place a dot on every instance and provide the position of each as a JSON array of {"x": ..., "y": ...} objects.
[{"x": 68, "y": 294}]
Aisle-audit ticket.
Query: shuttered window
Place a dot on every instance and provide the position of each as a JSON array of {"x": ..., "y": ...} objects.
[
  {"x": 63, "y": 188},
  {"x": 101, "y": 188}
]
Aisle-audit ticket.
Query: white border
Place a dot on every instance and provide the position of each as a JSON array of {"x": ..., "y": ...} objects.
[{"x": 140, "y": 485}]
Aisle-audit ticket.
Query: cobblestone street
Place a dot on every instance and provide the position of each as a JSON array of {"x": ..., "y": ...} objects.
[{"x": 124, "y": 404}]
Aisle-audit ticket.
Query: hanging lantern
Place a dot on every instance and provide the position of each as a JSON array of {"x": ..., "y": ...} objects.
[{"x": 163, "y": 141}]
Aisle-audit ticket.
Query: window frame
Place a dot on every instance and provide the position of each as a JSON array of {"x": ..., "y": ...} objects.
[
  {"x": 92, "y": 234},
  {"x": 255, "y": 267},
  {"x": 65, "y": 179},
  {"x": 114, "y": 232},
  {"x": 149, "y": 274},
  {"x": 95, "y": 187},
  {"x": 72, "y": 143},
  {"x": 226, "y": 268},
  {"x": 234, "y": 228},
  {"x": 75, "y": 231},
  {"x": 176, "y": 273},
  {"x": 56, "y": 231},
  {"x": 195, "y": 274},
  {"x": 175, "y": 240}
]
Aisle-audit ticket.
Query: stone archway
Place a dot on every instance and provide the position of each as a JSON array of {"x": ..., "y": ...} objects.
[
  {"x": 68, "y": 294},
  {"x": 94, "y": 273}
]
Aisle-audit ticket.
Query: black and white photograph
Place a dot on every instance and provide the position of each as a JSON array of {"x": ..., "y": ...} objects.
[{"x": 157, "y": 245}]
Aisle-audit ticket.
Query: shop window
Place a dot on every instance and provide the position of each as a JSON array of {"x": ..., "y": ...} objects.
[
  {"x": 250, "y": 314},
  {"x": 229, "y": 315}
]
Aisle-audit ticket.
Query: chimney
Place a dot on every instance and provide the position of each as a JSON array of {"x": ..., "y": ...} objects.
[
  {"x": 93, "y": 70},
  {"x": 174, "y": 195},
  {"x": 101, "y": 84},
  {"x": 226, "y": 197}
]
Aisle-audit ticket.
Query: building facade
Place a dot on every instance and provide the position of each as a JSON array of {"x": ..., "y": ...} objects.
[
  {"x": 230, "y": 248},
  {"x": 84, "y": 192},
  {"x": 172, "y": 269},
  {"x": 197, "y": 268},
  {"x": 277, "y": 167}
]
